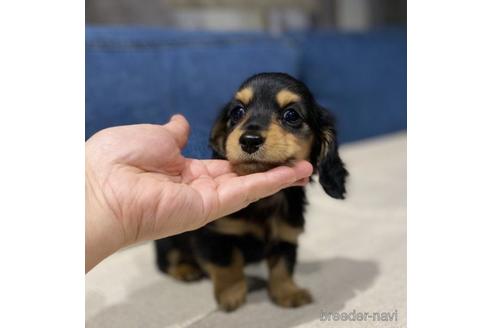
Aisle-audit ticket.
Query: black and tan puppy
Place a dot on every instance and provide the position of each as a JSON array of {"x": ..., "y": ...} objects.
[{"x": 272, "y": 120}]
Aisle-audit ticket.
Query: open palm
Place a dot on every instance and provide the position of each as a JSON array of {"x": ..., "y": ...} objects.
[{"x": 145, "y": 186}]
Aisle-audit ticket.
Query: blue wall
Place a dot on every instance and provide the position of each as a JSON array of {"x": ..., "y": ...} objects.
[{"x": 144, "y": 75}]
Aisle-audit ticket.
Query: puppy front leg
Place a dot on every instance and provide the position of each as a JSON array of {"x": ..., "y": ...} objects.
[
  {"x": 229, "y": 282},
  {"x": 281, "y": 286}
]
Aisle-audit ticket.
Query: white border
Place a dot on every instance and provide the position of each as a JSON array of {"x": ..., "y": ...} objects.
[
  {"x": 42, "y": 163},
  {"x": 41, "y": 172},
  {"x": 449, "y": 163}
]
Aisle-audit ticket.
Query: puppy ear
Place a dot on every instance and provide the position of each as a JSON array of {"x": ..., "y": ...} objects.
[
  {"x": 331, "y": 169},
  {"x": 218, "y": 134}
]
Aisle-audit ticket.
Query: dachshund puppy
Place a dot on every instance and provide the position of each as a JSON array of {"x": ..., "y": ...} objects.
[{"x": 272, "y": 120}]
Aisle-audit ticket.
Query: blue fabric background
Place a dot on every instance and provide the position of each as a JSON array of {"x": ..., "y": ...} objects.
[
  {"x": 361, "y": 78},
  {"x": 144, "y": 75}
]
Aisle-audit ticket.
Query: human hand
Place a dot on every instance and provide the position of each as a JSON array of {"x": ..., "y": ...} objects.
[{"x": 140, "y": 187}]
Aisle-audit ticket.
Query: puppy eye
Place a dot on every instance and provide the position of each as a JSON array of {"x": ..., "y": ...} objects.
[
  {"x": 237, "y": 114},
  {"x": 291, "y": 117}
]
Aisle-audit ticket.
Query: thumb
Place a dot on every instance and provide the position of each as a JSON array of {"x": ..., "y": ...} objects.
[{"x": 179, "y": 127}]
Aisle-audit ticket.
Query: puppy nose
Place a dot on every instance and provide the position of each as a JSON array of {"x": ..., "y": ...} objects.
[{"x": 250, "y": 142}]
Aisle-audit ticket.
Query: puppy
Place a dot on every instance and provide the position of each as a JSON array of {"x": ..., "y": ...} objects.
[{"x": 272, "y": 120}]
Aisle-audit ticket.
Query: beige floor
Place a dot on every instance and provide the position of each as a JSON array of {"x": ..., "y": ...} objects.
[{"x": 352, "y": 257}]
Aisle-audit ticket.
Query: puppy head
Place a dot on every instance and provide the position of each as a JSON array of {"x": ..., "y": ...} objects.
[{"x": 274, "y": 120}]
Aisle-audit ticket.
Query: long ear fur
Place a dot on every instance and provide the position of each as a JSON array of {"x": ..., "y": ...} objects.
[
  {"x": 217, "y": 137},
  {"x": 332, "y": 172}
]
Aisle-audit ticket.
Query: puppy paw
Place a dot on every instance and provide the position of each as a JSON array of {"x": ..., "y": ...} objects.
[
  {"x": 291, "y": 297},
  {"x": 232, "y": 297},
  {"x": 185, "y": 272}
]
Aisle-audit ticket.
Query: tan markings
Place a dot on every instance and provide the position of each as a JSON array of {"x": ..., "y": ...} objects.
[
  {"x": 278, "y": 274},
  {"x": 285, "y": 97},
  {"x": 328, "y": 135},
  {"x": 185, "y": 272},
  {"x": 245, "y": 95},
  {"x": 237, "y": 227},
  {"x": 173, "y": 256},
  {"x": 281, "y": 230},
  {"x": 233, "y": 148},
  {"x": 181, "y": 271},
  {"x": 326, "y": 144},
  {"x": 282, "y": 288},
  {"x": 281, "y": 146},
  {"x": 229, "y": 282},
  {"x": 251, "y": 167}
]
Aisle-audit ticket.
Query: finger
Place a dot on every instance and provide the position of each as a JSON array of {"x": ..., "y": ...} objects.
[
  {"x": 301, "y": 183},
  {"x": 239, "y": 192},
  {"x": 223, "y": 178},
  {"x": 179, "y": 127},
  {"x": 217, "y": 167},
  {"x": 145, "y": 146},
  {"x": 263, "y": 185}
]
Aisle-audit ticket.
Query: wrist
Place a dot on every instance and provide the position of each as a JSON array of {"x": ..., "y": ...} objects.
[{"x": 102, "y": 230}]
